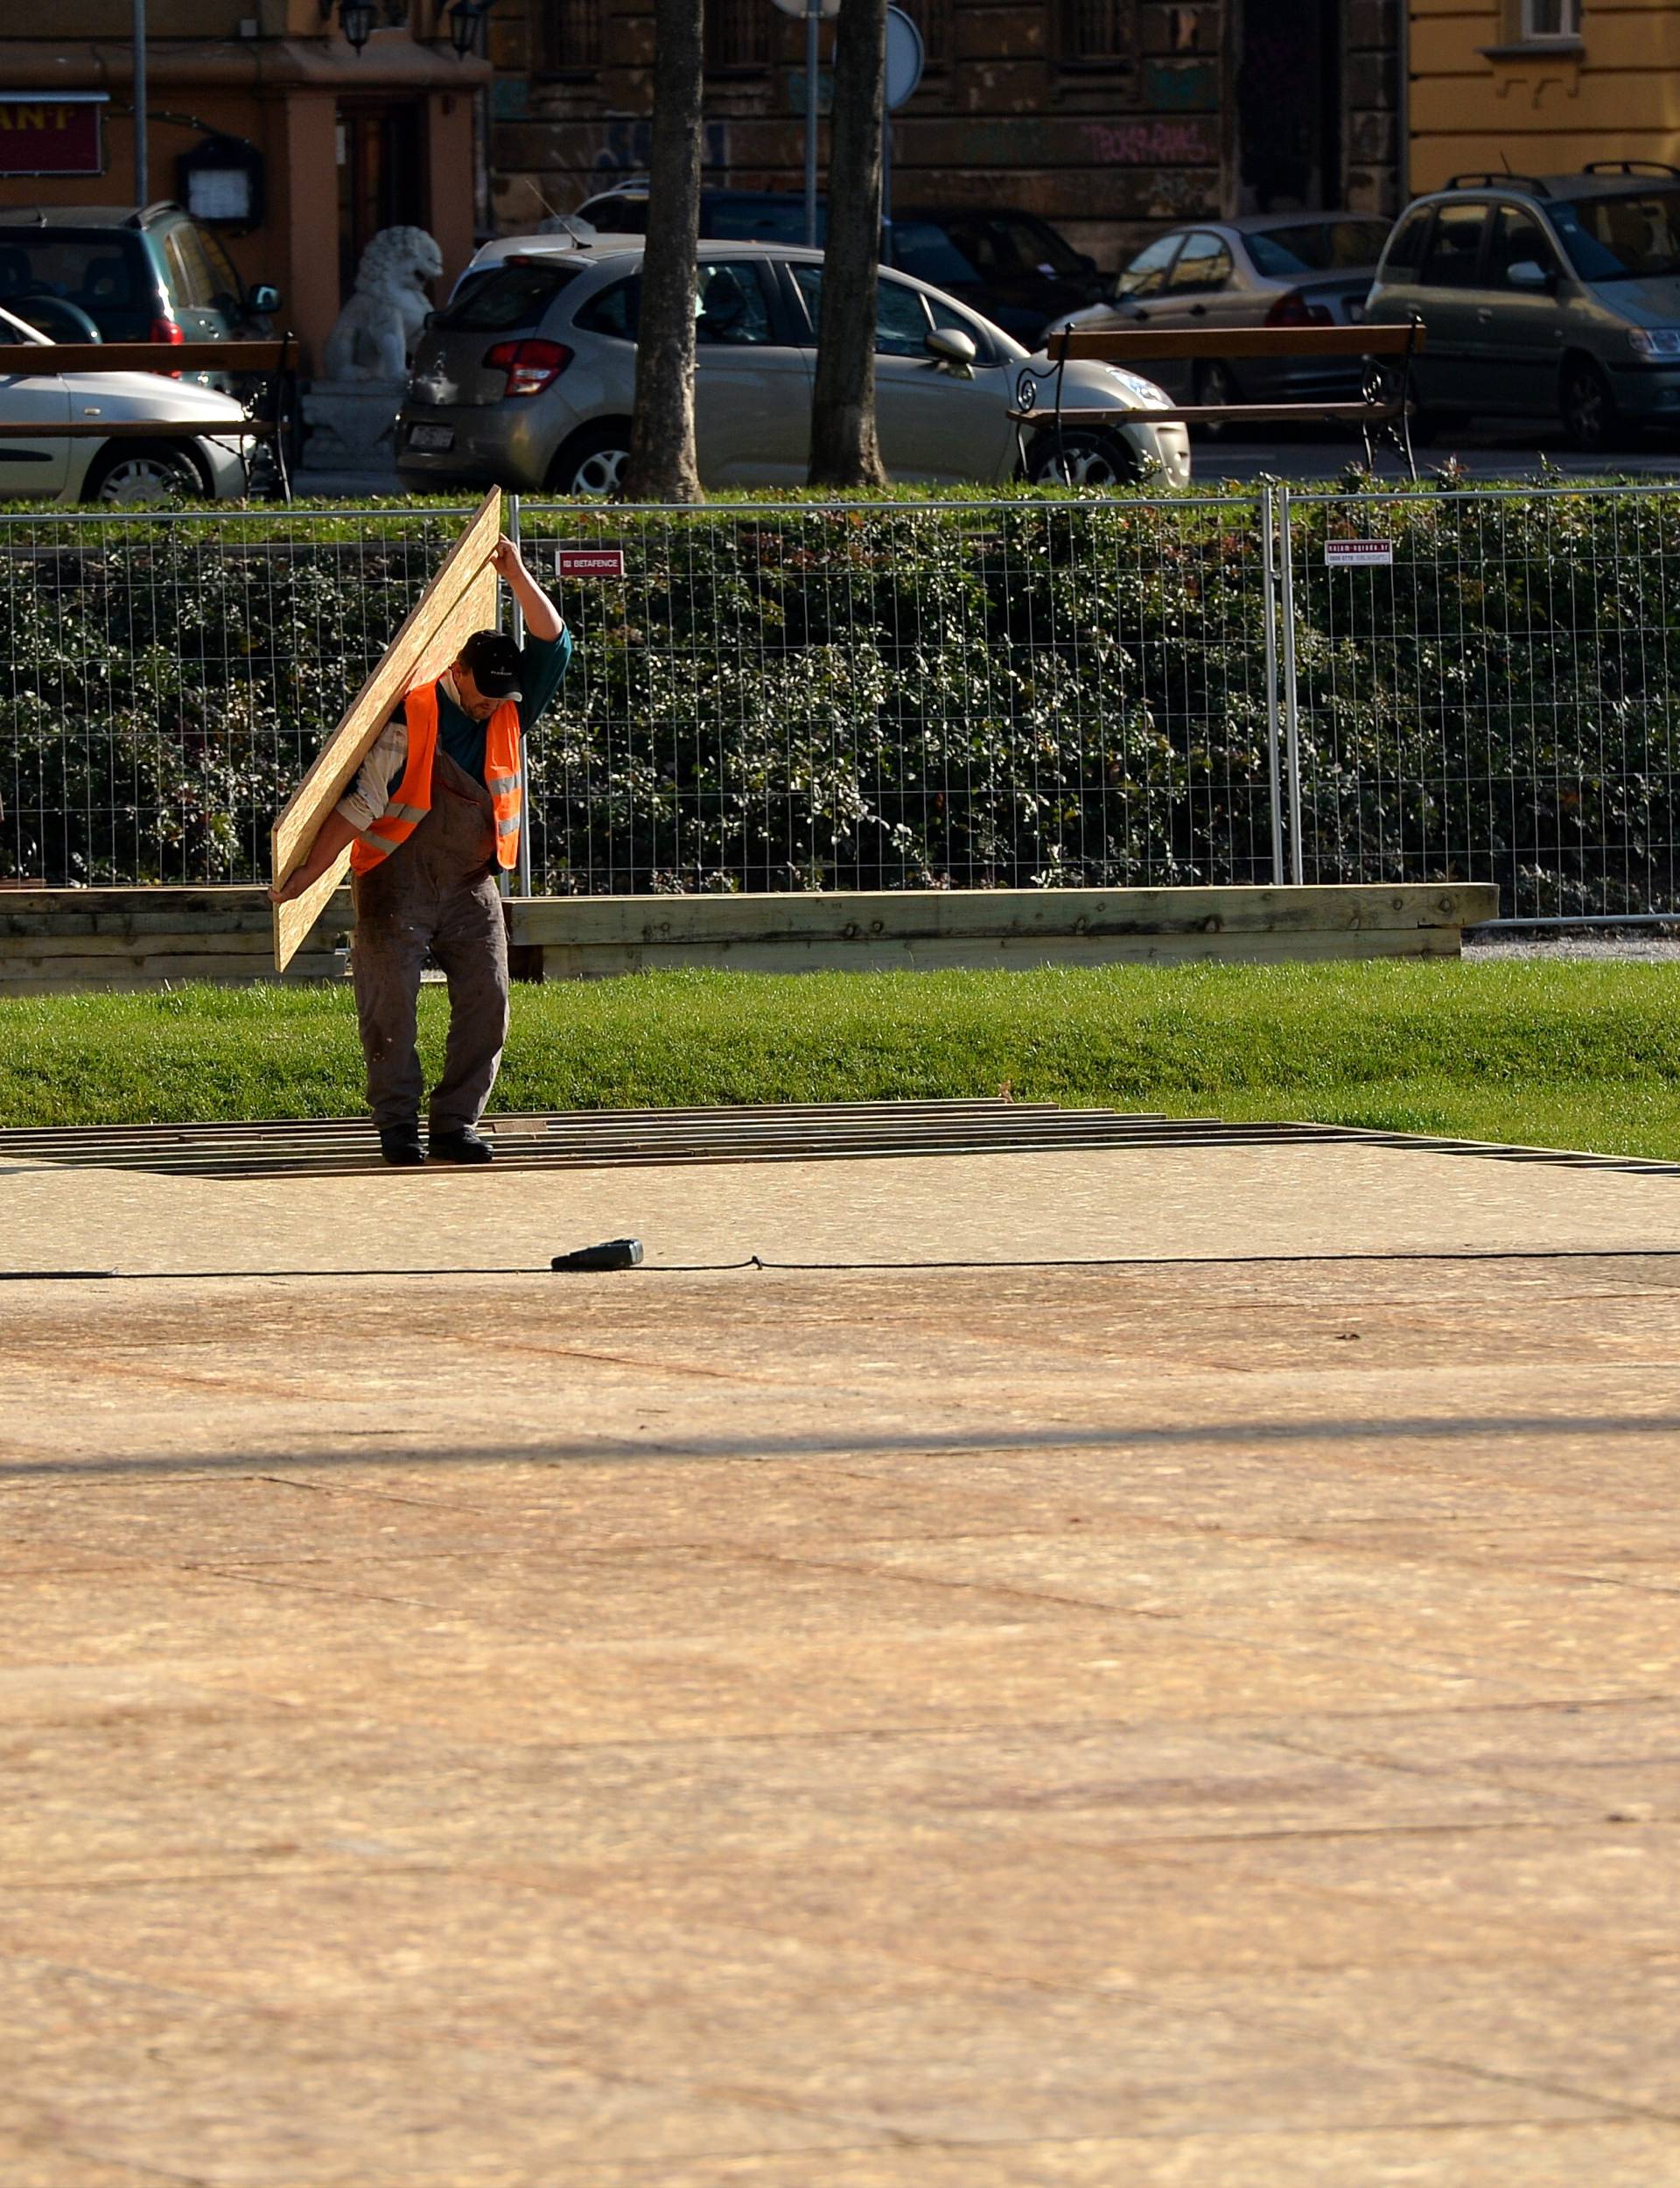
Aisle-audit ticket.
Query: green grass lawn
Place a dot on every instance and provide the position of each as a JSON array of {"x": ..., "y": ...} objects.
[{"x": 1580, "y": 1054}]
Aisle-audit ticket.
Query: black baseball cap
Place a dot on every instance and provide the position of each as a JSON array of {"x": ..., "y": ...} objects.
[{"x": 493, "y": 661}]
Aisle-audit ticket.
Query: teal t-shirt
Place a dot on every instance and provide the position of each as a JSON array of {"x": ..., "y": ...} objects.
[{"x": 542, "y": 664}]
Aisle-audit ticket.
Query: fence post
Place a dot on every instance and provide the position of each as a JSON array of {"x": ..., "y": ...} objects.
[
  {"x": 1274, "y": 727},
  {"x": 511, "y": 502},
  {"x": 1291, "y": 698}
]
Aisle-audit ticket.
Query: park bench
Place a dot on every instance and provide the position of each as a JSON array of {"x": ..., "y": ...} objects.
[
  {"x": 273, "y": 365},
  {"x": 1383, "y": 411}
]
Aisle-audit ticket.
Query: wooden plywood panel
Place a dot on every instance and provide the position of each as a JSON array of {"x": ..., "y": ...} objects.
[{"x": 460, "y": 600}]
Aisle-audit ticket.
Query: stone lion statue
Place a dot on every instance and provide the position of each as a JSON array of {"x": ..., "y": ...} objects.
[{"x": 376, "y": 329}]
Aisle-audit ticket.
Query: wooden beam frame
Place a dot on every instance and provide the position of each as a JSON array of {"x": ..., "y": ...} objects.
[{"x": 460, "y": 599}]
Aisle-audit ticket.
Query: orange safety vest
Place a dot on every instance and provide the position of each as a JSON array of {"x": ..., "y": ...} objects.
[{"x": 503, "y": 778}]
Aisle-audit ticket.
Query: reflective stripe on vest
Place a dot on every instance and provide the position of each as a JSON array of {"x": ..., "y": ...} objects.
[{"x": 503, "y": 779}]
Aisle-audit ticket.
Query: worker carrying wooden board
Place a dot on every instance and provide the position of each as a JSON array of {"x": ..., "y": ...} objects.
[{"x": 431, "y": 817}]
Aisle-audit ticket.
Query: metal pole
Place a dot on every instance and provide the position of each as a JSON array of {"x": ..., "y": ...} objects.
[
  {"x": 1274, "y": 726},
  {"x": 1291, "y": 699},
  {"x": 812, "y": 20},
  {"x": 142, "y": 181},
  {"x": 511, "y": 503}
]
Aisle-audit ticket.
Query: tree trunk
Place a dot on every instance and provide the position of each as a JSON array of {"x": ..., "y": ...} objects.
[
  {"x": 844, "y": 449},
  {"x": 662, "y": 466}
]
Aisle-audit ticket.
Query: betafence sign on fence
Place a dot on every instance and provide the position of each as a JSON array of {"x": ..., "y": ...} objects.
[
  {"x": 1358, "y": 554},
  {"x": 589, "y": 561}
]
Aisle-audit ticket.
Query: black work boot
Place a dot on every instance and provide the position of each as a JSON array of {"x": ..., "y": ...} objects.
[
  {"x": 464, "y": 1145},
  {"x": 400, "y": 1145}
]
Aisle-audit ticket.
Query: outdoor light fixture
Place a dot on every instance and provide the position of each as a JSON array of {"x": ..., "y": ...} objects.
[
  {"x": 463, "y": 18},
  {"x": 356, "y": 21}
]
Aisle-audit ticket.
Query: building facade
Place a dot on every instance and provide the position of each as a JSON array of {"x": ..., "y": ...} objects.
[
  {"x": 1112, "y": 118},
  {"x": 1541, "y": 87},
  {"x": 342, "y": 142}
]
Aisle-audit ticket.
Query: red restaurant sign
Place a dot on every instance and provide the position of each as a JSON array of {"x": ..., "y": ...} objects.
[{"x": 56, "y": 133}]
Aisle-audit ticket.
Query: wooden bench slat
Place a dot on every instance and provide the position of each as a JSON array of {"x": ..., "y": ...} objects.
[
  {"x": 167, "y": 357},
  {"x": 1120, "y": 345},
  {"x": 141, "y": 429},
  {"x": 1223, "y": 414}
]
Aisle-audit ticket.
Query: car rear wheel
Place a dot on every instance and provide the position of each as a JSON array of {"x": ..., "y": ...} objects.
[
  {"x": 1082, "y": 457},
  {"x": 590, "y": 466},
  {"x": 145, "y": 470},
  {"x": 1587, "y": 406},
  {"x": 1216, "y": 384}
]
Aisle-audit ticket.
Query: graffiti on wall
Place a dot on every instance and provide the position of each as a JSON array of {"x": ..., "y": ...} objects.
[{"x": 1163, "y": 141}]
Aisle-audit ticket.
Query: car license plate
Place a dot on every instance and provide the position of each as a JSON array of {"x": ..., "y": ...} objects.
[{"x": 436, "y": 438}]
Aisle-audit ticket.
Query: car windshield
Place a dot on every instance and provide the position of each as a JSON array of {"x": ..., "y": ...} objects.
[
  {"x": 517, "y": 295},
  {"x": 979, "y": 247},
  {"x": 101, "y": 275},
  {"x": 1316, "y": 247},
  {"x": 1617, "y": 238}
]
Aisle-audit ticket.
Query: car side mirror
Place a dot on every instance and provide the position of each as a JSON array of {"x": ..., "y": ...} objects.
[
  {"x": 954, "y": 349},
  {"x": 1528, "y": 273},
  {"x": 1087, "y": 263},
  {"x": 263, "y": 299}
]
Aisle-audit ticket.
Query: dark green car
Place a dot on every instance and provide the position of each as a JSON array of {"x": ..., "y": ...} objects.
[{"x": 1553, "y": 299}]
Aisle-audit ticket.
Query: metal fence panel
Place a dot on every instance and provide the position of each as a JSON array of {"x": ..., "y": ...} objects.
[
  {"x": 885, "y": 696},
  {"x": 168, "y": 675},
  {"x": 788, "y": 697},
  {"x": 1498, "y": 700}
]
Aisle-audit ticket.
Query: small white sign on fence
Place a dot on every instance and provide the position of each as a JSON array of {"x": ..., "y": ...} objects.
[
  {"x": 1358, "y": 554},
  {"x": 589, "y": 561}
]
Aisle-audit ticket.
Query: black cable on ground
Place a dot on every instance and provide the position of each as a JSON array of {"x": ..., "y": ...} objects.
[{"x": 884, "y": 1268}]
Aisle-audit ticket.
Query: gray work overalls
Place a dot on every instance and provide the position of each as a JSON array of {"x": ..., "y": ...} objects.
[{"x": 436, "y": 892}]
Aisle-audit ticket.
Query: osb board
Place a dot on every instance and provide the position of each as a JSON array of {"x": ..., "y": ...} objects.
[{"x": 460, "y": 600}]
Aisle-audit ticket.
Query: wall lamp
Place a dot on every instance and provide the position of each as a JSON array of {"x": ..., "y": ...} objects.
[
  {"x": 464, "y": 19},
  {"x": 356, "y": 20}
]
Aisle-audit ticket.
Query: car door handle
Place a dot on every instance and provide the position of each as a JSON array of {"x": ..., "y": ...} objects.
[
  {"x": 1484, "y": 313},
  {"x": 1197, "y": 312}
]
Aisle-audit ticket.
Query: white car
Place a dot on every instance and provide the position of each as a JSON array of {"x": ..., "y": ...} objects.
[
  {"x": 63, "y": 467},
  {"x": 527, "y": 378}
]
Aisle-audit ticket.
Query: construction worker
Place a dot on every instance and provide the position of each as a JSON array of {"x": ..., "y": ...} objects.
[{"x": 432, "y": 816}]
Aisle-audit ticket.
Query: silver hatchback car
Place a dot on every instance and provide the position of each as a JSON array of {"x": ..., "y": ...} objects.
[{"x": 527, "y": 378}]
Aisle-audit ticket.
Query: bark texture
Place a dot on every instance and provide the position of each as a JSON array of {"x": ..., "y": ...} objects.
[
  {"x": 845, "y": 450},
  {"x": 663, "y": 465}
]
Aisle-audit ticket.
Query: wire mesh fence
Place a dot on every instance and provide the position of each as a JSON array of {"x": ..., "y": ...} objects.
[
  {"x": 168, "y": 677},
  {"x": 1331, "y": 686},
  {"x": 1486, "y": 687},
  {"x": 780, "y": 697},
  {"x": 973, "y": 695}
]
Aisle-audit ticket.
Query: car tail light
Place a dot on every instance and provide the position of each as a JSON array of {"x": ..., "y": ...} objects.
[
  {"x": 1292, "y": 309},
  {"x": 530, "y": 366},
  {"x": 164, "y": 329}
]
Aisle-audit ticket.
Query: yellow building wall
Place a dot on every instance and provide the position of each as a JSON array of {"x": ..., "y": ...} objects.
[{"x": 1538, "y": 111}]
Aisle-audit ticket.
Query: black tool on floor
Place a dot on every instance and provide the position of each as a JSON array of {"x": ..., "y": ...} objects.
[{"x": 613, "y": 1253}]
